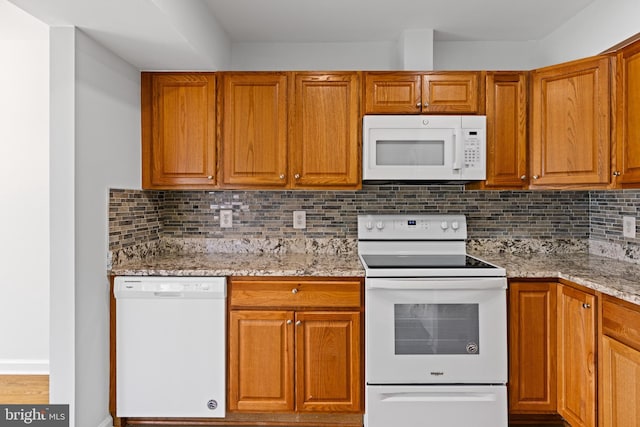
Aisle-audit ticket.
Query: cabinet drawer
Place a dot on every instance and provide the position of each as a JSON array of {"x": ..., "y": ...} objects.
[
  {"x": 621, "y": 320},
  {"x": 295, "y": 293}
]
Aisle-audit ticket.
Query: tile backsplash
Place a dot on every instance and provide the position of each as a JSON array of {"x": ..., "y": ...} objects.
[{"x": 502, "y": 220}]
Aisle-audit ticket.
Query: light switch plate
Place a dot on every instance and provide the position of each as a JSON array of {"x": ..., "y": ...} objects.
[
  {"x": 226, "y": 218},
  {"x": 299, "y": 219},
  {"x": 629, "y": 226}
]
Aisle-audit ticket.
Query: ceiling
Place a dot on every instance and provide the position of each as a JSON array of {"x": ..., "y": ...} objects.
[{"x": 175, "y": 34}]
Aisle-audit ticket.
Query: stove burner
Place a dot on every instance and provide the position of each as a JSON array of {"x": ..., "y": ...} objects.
[{"x": 424, "y": 261}]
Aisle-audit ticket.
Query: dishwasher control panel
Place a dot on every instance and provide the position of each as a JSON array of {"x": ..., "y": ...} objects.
[{"x": 194, "y": 287}]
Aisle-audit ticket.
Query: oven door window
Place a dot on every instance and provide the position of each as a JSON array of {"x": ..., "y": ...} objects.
[{"x": 436, "y": 329}]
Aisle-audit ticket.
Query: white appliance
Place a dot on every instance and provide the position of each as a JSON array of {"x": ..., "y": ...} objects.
[
  {"x": 424, "y": 148},
  {"x": 170, "y": 346},
  {"x": 436, "y": 333}
]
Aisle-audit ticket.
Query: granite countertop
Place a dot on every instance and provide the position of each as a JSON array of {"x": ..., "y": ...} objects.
[
  {"x": 616, "y": 278},
  {"x": 620, "y": 279},
  {"x": 244, "y": 264}
]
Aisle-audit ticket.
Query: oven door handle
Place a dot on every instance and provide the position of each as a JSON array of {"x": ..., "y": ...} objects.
[
  {"x": 438, "y": 397},
  {"x": 437, "y": 284}
]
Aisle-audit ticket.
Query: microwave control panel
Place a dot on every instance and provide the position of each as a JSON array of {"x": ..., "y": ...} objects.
[{"x": 472, "y": 149}]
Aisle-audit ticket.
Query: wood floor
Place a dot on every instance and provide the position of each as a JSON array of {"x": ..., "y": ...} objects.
[{"x": 21, "y": 389}]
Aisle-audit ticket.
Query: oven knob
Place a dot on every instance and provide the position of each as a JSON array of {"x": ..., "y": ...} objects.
[
  {"x": 455, "y": 225},
  {"x": 380, "y": 225},
  {"x": 444, "y": 225},
  {"x": 368, "y": 225}
]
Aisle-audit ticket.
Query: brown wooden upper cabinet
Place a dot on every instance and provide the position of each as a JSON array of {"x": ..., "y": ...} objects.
[
  {"x": 422, "y": 93},
  {"x": 178, "y": 130},
  {"x": 253, "y": 148},
  {"x": 570, "y": 125},
  {"x": 506, "y": 109},
  {"x": 324, "y": 131},
  {"x": 628, "y": 111}
]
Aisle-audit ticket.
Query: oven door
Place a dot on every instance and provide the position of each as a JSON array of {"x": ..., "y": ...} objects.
[{"x": 436, "y": 330}]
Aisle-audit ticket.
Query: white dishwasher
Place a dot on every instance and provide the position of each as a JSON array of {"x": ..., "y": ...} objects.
[{"x": 170, "y": 346}]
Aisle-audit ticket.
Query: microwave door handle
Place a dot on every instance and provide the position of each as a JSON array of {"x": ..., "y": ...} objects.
[{"x": 457, "y": 150}]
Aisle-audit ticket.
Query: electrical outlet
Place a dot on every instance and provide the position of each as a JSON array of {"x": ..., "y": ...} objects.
[
  {"x": 226, "y": 218},
  {"x": 299, "y": 219},
  {"x": 629, "y": 226}
]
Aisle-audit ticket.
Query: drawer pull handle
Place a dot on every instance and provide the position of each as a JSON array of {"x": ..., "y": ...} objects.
[
  {"x": 586, "y": 305},
  {"x": 294, "y": 291}
]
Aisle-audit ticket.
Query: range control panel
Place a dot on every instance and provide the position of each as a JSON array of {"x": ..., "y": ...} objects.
[{"x": 412, "y": 227}]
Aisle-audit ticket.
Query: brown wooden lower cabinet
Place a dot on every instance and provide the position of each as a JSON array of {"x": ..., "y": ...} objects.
[
  {"x": 552, "y": 351},
  {"x": 290, "y": 350},
  {"x": 532, "y": 348},
  {"x": 577, "y": 356},
  {"x": 620, "y": 369}
]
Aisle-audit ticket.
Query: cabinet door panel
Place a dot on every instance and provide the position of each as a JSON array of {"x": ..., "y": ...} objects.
[
  {"x": 620, "y": 388},
  {"x": 451, "y": 92},
  {"x": 178, "y": 130},
  {"x": 261, "y": 360},
  {"x": 254, "y": 129},
  {"x": 532, "y": 353},
  {"x": 328, "y": 368},
  {"x": 393, "y": 93},
  {"x": 506, "y": 130},
  {"x": 628, "y": 86},
  {"x": 570, "y": 124},
  {"x": 576, "y": 357},
  {"x": 325, "y": 142}
]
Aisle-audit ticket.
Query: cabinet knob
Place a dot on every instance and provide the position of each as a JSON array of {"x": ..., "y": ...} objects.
[
  {"x": 523, "y": 177},
  {"x": 210, "y": 177},
  {"x": 281, "y": 176},
  {"x": 586, "y": 305},
  {"x": 418, "y": 105},
  {"x": 616, "y": 173},
  {"x": 299, "y": 322},
  {"x": 289, "y": 322},
  {"x": 535, "y": 177},
  {"x": 294, "y": 291},
  {"x": 296, "y": 176}
]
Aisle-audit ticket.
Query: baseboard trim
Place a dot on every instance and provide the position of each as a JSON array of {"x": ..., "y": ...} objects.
[
  {"x": 24, "y": 367},
  {"x": 107, "y": 422}
]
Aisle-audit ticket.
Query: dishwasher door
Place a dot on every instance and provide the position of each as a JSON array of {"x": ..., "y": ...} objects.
[{"x": 170, "y": 346}]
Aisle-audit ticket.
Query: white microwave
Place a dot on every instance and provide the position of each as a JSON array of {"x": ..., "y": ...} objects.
[{"x": 424, "y": 148}]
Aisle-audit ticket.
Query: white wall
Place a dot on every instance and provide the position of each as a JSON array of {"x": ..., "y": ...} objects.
[
  {"x": 455, "y": 55},
  {"x": 314, "y": 56},
  {"x": 602, "y": 24},
  {"x": 24, "y": 192},
  {"x": 107, "y": 152}
]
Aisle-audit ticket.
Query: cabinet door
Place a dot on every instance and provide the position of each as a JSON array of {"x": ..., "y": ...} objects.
[
  {"x": 451, "y": 93},
  {"x": 628, "y": 95},
  {"x": 261, "y": 360},
  {"x": 532, "y": 347},
  {"x": 506, "y": 130},
  {"x": 393, "y": 93},
  {"x": 576, "y": 357},
  {"x": 620, "y": 386},
  {"x": 254, "y": 130},
  {"x": 328, "y": 369},
  {"x": 570, "y": 140},
  {"x": 325, "y": 131},
  {"x": 178, "y": 130}
]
